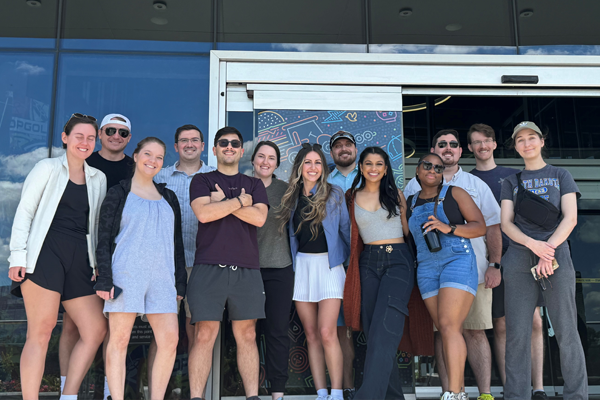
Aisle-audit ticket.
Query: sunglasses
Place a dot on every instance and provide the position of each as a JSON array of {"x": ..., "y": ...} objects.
[
  {"x": 111, "y": 131},
  {"x": 236, "y": 144},
  {"x": 438, "y": 169},
  {"x": 80, "y": 116},
  {"x": 453, "y": 144},
  {"x": 315, "y": 146}
]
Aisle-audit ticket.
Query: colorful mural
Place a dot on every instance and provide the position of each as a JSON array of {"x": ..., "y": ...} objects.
[{"x": 290, "y": 128}]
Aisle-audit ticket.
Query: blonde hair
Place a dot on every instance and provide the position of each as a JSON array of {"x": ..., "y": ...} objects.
[{"x": 316, "y": 211}]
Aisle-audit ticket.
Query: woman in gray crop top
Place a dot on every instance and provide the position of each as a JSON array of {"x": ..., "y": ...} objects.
[{"x": 380, "y": 273}]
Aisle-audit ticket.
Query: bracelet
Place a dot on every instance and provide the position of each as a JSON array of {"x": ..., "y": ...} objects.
[{"x": 240, "y": 200}]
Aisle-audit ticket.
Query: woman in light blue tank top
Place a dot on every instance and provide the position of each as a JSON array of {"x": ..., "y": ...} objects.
[{"x": 380, "y": 282}]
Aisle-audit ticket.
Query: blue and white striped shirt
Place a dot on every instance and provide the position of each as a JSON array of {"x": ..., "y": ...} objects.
[{"x": 179, "y": 182}]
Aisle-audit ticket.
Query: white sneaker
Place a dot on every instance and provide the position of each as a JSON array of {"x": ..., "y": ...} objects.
[
  {"x": 450, "y": 396},
  {"x": 323, "y": 397},
  {"x": 463, "y": 396}
]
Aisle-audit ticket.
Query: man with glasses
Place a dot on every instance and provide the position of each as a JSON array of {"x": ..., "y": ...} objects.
[
  {"x": 488, "y": 252},
  {"x": 481, "y": 139},
  {"x": 342, "y": 147},
  {"x": 114, "y": 134},
  {"x": 189, "y": 144},
  {"x": 230, "y": 206}
]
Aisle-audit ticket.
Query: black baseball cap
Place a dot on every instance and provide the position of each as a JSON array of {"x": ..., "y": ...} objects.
[{"x": 341, "y": 135}]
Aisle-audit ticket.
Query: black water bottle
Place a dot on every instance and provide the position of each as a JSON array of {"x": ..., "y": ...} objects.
[{"x": 432, "y": 239}]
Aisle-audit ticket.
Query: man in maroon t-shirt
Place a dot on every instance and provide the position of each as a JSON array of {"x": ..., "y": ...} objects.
[{"x": 230, "y": 206}]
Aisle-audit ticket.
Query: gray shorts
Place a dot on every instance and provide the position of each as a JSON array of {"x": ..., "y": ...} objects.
[{"x": 211, "y": 287}]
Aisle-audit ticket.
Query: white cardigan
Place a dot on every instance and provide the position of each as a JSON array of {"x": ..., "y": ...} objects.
[{"x": 42, "y": 191}]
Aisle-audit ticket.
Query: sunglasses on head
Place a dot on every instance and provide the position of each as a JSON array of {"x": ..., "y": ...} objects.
[
  {"x": 315, "y": 146},
  {"x": 235, "y": 143},
  {"x": 111, "y": 131},
  {"x": 443, "y": 143},
  {"x": 80, "y": 116},
  {"x": 438, "y": 169}
]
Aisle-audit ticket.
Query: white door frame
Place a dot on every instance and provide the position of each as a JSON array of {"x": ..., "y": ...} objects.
[{"x": 238, "y": 74}]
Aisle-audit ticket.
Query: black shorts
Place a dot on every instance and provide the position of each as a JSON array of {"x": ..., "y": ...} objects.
[
  {"x": 211, "y": 287},
  {"x": 62, "y": 267},
  {"x": 498, "y": 300}
]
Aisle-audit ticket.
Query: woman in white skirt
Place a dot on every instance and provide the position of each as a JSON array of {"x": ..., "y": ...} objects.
[{"x": 319, "y": 227}]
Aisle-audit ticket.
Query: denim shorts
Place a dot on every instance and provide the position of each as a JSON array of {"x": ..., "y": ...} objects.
[{"x": 454, "y": 266}]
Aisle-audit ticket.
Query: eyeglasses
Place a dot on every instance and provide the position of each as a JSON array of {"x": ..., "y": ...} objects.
[
  {"x": 80, "y": 116},
  {"x": 314, "y": 146},
  {"x": 192, "y": 140},
  {"x": 428, "y": 165},
  {"x": 111, "y": 131},
  {"x": 480, "y": 142},
  {"x": 236, "y": 144},
  {"x": 443, "y": 143}
]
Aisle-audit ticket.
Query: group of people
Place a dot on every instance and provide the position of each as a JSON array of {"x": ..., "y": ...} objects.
[{"x": 216, "y": 238}]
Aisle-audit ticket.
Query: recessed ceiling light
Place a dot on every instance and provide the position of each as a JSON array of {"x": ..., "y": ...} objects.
[
  {"x": 406, "y": 12},
  {"x": 453, "y": 27},
  {"x": 159, "y": 21},
  {"x": 526, "y": 13},
  {"x": 34, "y": 3},
  {"x": 160, "y": 6}
]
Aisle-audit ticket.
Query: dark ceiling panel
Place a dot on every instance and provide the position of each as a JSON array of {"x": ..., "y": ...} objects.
[
  {"x": 182, "y": 20},
  {"x": 556, "y": 22},
  {"x": 442, "y": 22},
  {"x": 18, "y": 19},
  {"x": 276, "y": 21}
]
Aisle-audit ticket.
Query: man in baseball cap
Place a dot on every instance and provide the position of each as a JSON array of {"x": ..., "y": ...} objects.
[
  {"x": 114, "y": 135},
  {"x": 527, "y": 125}
]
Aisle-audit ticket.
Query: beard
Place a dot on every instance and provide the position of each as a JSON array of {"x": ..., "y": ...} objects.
[{"x": 344, "y": 163}]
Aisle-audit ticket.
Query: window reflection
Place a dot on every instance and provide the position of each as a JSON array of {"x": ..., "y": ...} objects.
[{"x": 157, "y": 93}]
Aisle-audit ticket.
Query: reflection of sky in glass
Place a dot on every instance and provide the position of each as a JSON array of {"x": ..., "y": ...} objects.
[
  {"x": 157, "y": 93},
  {"x": 136, "y": 45},
  {"x": 584, "y": 242},
  {"x": 439, "y": 49},
  {"x": 295, "y": 47},
  {"x": 569, "y": 50}
]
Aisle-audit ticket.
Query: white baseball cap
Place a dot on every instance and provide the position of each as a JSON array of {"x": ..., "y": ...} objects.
[{"x": 109, "y": 119}]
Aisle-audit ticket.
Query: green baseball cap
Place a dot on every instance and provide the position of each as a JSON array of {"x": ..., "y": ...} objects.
[{"x": 526, "y": 125}]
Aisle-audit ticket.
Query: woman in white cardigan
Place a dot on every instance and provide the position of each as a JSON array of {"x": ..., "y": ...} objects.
[{"x": 52, "y": 255}]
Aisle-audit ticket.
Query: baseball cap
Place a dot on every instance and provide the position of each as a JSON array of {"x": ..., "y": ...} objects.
[
  {"x": 341, "y": 135},
  {"x": 526, "y": 125},
  {"x": 109, "y": 120}
]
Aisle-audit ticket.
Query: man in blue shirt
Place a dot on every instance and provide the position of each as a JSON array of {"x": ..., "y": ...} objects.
[
  {"x": 482, "y": 142},
  {"x": 342, "y": 147}
]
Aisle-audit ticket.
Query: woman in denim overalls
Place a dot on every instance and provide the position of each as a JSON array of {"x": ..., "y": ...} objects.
[{"x": 447, "y": 278}]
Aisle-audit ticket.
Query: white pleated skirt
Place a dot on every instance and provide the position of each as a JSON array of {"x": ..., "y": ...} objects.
[{"x": 315, "y": 281}]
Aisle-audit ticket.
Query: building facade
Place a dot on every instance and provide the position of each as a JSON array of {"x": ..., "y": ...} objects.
[{"x": 412, "y": 67}]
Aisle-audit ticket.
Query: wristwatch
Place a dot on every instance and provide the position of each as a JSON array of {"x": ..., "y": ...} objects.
[
  {"x": 452, "y": 229},
  {"x": 495, "y": 265}
]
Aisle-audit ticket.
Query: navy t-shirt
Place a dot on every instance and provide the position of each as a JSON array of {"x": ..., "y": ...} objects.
[
  {"x": 229, "y": 240},
  {"x": 494, "y": 178}
]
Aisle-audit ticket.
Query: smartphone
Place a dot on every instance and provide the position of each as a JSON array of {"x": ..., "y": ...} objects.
[
  {"x": 534, "y": 270},
  {"x": 118, "y": 291}
]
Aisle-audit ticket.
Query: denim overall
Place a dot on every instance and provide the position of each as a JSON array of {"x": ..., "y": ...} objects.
[{"x": 453, "y": 266}]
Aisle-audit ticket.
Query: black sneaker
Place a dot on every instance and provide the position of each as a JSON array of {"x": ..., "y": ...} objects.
[
  {"x": 349, "y": 393},
  {"x": 539, "y": 395}
]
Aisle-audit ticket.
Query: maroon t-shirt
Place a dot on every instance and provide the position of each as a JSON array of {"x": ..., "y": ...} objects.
[{"x": 229, "y": 240}]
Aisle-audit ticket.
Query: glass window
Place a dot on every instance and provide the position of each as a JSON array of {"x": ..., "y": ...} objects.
[
  {"x": 436, "y": 26},
  {"x": 137, "y": 25},
  {"x": 311, "y": 25},
  {"x": 28, "y": 24},
  {"x": 25, "y": 97},
  {"x": 553, "y": 28},
  {"x": 157, "y": 93}
]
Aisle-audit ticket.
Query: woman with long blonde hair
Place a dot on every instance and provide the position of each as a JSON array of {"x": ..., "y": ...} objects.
[{"x": 319, "y": 227}]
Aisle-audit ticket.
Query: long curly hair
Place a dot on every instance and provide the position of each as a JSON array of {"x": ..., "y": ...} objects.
[
  {"x": 316, "y": 210},
  {"x": 388, "y": 191},
  {"x": 440, "y": 186}
]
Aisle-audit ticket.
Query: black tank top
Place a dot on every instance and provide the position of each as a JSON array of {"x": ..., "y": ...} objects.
[
  {"x": 304, "y": 236},
  {"x": 71, "y": 216},
  {"x": 450, "y": 207}
]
